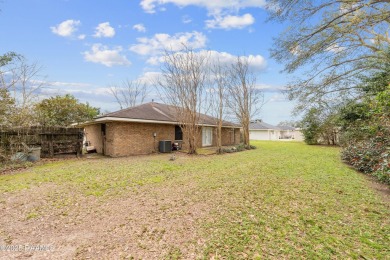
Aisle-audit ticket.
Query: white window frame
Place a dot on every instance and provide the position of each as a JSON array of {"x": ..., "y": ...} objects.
[{"x": 207, "y": 136}]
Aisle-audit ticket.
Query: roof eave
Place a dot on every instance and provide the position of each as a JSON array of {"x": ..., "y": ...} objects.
[{"x": 132, "y": 120}]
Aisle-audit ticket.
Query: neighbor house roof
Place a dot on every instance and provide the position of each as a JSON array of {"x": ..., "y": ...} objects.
[
  {"x": 285, "y": 127},
  {"x": 260, "y": 125},
  {"x": 153, "y": 112}
]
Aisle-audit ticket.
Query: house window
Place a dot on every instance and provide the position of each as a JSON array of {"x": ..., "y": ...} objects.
[
  {"x": 207, "y": 136},
  {"x": 178, "y": 133}
]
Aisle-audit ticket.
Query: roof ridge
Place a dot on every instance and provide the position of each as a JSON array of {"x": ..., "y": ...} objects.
[
  {"x": 162, "y": 111},
  {"x": 125, "y": 109}
]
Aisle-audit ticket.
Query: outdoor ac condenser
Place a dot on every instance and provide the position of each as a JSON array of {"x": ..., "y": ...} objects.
[{"x": 165, "y": 146}]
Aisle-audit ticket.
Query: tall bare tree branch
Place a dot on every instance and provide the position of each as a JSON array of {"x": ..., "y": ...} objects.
[
  {"x": 23, "y": 81},
  {"x": 184, "y": 79},
  {"x": 218, "y": 95},
  {"x": 327, "y": 42},
  {"x": 129, "y": 93},
  {"x": 245, "y": 99}
]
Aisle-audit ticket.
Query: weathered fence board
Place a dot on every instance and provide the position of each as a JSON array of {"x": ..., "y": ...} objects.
[{"x": 52, "y": 140}]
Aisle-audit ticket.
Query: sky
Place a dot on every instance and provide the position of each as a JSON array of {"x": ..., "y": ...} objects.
[{"x": 84, "y": 46}]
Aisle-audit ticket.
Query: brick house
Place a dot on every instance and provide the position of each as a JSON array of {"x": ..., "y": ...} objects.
[{"x": 138, "y": 130}]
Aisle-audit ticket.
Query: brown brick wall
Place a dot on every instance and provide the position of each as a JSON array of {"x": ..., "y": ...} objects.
[
  {"x": 110, "y": 139},
  {"x": 229, "y": 136},
  {"x": 237, "y": 133},
  {"x": 136, "y": 138},
  {"x": 94, "y": 136},
  {"x": 123, "y": 139}
]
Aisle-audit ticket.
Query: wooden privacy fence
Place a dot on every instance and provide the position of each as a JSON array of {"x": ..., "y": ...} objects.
[{"x": 52, "y": 140}]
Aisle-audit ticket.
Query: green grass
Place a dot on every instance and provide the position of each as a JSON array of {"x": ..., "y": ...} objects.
[
  {"x": 291, "y": 200},
  {"x": 282, "y": 200},
  {"x": 92, "y": 177}
]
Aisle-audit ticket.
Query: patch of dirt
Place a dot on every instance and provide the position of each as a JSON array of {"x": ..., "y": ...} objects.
[
  {"x": 382, "y": 189},
  {"x": 147, "y": 223},
  {"x": 13, "y": 168}
]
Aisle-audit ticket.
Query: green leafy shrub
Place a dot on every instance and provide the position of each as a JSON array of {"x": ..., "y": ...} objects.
[
  {"x": 237, "y": 148},
  {"x": 371, "y": 156},
  {"x": 366, "y": 130},
  {"x": 240, "y": 147},
  {"x": 227, "y": 150}
]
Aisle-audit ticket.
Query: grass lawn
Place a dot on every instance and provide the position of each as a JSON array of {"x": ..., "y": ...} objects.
[{"x": 282, "y": 200}]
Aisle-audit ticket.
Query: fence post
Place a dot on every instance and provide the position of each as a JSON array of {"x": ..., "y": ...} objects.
[{"x": 51, "y": 146}]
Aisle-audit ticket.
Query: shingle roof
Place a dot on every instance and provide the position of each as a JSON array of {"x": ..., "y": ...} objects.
[
  {"x": 148, "y": 111},
  {"x": 260, "y": 125},
  {"x": 285, "y": 127},
  {"x": 158, "y": 112}
]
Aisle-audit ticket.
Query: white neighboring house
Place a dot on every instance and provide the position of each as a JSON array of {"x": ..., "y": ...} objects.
[
  {"x": 298, "y": 135},
  {"x": 259, "y": 130}
]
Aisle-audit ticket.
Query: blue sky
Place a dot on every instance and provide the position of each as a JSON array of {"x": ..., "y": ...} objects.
[{"x": 84, "y": 45}]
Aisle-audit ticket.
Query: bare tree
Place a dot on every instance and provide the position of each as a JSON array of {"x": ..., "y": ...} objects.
[
  {"x": 23, "y": 82},
  {"x": 26, "y": 92},
  {"x": 245, "y": 99},
  {"x": 8, "y": 63},
  {"x": 6, "y": 101},
  {"x": 129, "y": 93},
  {"x": 183, "y": 81},
  {"x": 30, "y": 82},
  {"x": 335, "y": 42},
  {"x": 218, "y": 97}
]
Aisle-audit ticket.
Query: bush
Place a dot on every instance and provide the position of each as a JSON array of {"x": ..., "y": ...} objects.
[
  {"x": 238, "y": 148},
  {"x": 371, "y": 156},
  {"x": 366, "y": 131}
]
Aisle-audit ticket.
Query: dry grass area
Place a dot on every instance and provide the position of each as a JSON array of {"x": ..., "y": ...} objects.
[{"x": 282, "y": 200}]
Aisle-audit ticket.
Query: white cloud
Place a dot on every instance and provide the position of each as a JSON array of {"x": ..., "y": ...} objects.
[
  {"x": 95, "y": 95},
  {"x": 296, "y": 50},
  {"x": 155, "y": 60},
  {"x": 104, "y": 30},
  {"x": 278, "y": 98},
  {"x": 81, "y": 36},
  {"x": 96, "y": 91},
  {"x": 161, "y": 42},
  {"x": 61, "y": 84},
  {"x": 256, "y": 62},
  {"x": 186, "y": 19},
  {"x": 139, "y": 27},
  {"x": 269, "y": 88},
  {"x": 103, "y": 55},
  {"x": 149, "y": 77},
  {"x": 230, "y": 22},
  {"x": 335, "y": 48},
  {"x": 212, "y": 6},
  {"x": 66, "y": 28},
  {"x": 69, "y": 84},
  {"x": 223, "y": 13}
]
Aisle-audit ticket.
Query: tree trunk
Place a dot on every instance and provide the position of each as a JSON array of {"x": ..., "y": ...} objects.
[{"x": 219, "y": 137}]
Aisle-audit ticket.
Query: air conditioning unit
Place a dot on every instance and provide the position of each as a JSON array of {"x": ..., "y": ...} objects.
[{"x": 165, "y": 146}]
